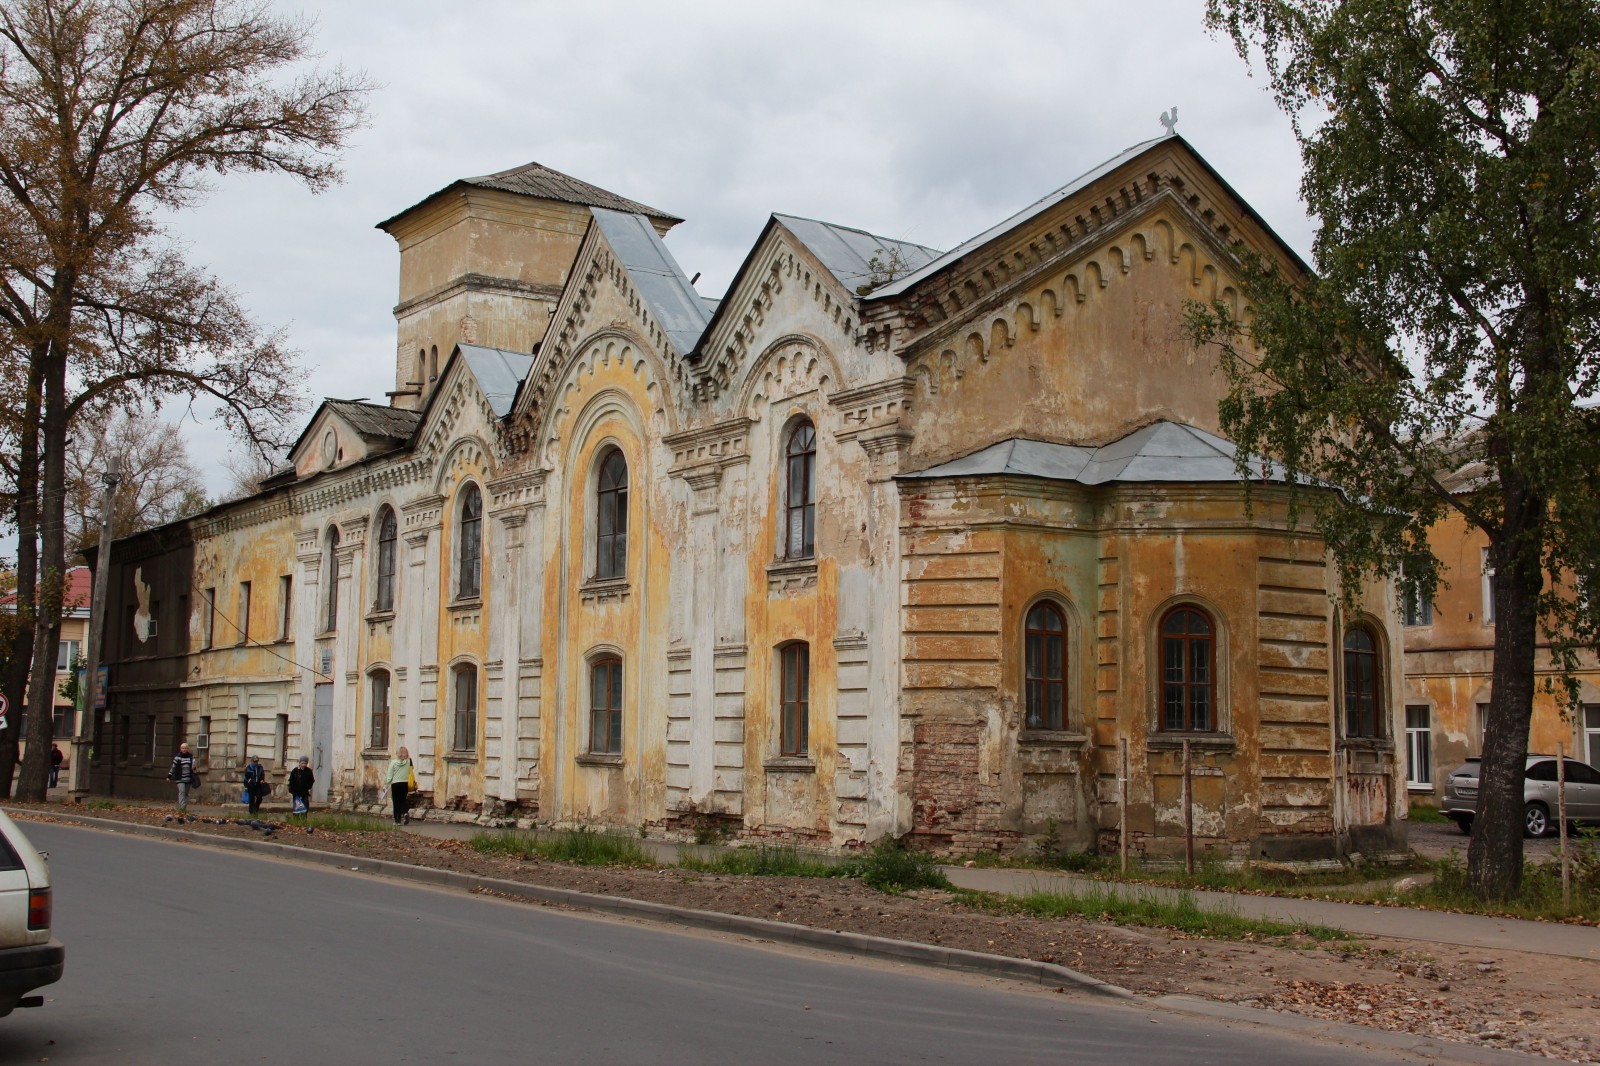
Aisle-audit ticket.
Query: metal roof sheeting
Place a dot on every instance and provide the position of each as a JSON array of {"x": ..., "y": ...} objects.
[
  {"x": 539, "y": 181},
  {"x": 1162, "y": 451},
  {"x": 1039, "y": 206},
  {"x": 848, "y": 252},
  {"x": 679, "y": 311},
  {"x": 498, "y": 373}
]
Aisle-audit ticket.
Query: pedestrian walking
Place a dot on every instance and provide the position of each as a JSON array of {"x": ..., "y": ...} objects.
[
  {"x": 182, "y": 773},
  {"x": 300, "y": 781},
  {"x": 401, "y": 779},
  {"x": 255, "y": 784},
  {"x": 56, "y": 759}
]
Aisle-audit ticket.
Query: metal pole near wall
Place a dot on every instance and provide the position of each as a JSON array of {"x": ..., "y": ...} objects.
[
  {"x": 1188, "y": 812},
  {"x": 83, "y": 736},
  {"x": 1122, "y": 815},
  {"x": 1561, "y": 815}
]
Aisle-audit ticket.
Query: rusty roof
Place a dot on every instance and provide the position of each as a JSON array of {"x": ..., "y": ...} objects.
[
  {"x": 375, "y": 421},
  {"x": 542, "y": 183}
]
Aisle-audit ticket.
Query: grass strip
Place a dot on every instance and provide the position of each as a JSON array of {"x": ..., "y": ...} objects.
[
  {"x": 582, "y": 847},
  {"x": 762, "y": 861},
  {"x": 341, "y": 823},
  {"x": 1181, "y": 913}
]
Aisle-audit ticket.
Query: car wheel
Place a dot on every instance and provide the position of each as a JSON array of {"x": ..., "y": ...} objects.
[
  {"x": 1464, "y": 824},
  {"x": 1535, "y": 820}
]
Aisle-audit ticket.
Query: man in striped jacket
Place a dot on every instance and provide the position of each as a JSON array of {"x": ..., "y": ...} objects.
[{"x": 183, "y": 773}]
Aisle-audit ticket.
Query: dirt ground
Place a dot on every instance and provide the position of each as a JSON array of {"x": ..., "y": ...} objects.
[{"x": 1540, "y": 1004}]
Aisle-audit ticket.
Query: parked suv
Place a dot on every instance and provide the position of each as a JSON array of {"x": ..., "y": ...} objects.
[
  {"x": 29, "y": 958},
  {"x": 1540, "y": 803}
]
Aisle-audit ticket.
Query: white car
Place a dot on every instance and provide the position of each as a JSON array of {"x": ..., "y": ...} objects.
[{"x": 29, "y": 958}]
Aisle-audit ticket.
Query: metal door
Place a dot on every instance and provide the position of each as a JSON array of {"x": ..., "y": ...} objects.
[{"x": 322, "y": 741}]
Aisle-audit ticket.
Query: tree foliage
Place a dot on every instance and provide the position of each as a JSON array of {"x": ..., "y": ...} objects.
[
  {"x": 112, "y": 113},
  {"x": 1445, "y": 355}
]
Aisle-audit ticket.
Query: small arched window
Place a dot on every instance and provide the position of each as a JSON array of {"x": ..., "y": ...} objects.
[
  {"x": 1361, "y": 684},
  {"x": 433, "y": 363},
  {"x": 611, "y": 517},
  {"x": 1045, "y": 652},
  {"x": 383, "y": 595},
  {"x": 605, "y": 706},
  {"x": 330, "y": 565},
  {"x": 465, "y": 733},
  {"x": 794, "y": 688},
  {"x": 378, "y": 733},
  {"x": 800, "y": 501},
  {"x": 469, "y": 552},
  {"x": 1188, "y": 671}
]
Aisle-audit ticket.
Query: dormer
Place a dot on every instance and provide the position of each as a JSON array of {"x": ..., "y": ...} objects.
[
  {"x": 343, "y": 432},
  {"x": 483, "y": 261}
]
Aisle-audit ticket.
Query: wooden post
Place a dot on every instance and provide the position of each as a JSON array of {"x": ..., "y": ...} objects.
[
  {"x": 83, "y": 736},
  {"x": 1188, "y": 813},
  {"x": 1122, "y": 814},
  {"x": 1561, "y": 808}
]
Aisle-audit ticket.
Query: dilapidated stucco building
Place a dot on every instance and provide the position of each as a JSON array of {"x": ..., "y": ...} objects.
[{"x": 887, "y": 540}]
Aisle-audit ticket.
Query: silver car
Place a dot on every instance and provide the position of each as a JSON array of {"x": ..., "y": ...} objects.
[{"x": 1540, "y": 804}]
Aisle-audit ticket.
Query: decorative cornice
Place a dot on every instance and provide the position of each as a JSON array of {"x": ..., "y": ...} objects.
[
  {"x": 523, "y": 488},
  {"x": 472, "y": 282},
  {"x": 883, "y": 403},
  {"x": 705, "y": 452}
]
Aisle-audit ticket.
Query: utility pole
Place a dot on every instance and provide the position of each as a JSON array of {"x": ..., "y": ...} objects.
[{"x": 83, "y": 737}]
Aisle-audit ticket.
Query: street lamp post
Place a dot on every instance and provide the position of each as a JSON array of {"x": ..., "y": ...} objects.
[{"x": 83, "y": 736}]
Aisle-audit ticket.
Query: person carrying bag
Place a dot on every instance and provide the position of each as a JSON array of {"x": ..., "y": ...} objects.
[
  {"x": 401, "y": 778},
  {"x": 255, "y": 784}
]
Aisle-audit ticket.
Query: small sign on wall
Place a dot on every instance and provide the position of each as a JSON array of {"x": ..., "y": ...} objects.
[{"x": 327, "y": 661}]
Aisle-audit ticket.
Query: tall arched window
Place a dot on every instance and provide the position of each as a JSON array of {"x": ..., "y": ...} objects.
[
  {"x": 611, "y": 517},
  {"x": 1045, "y": 640},
  {"x": 465, "y": 733},
  {"x": 1188, "y": 671},
  {"x": 605, "y": 706},
  {"x": 794, "y": 688},
  {"x": 433, "y": 363},
  {"x": 469, "y": 550},
  {"x": 1361, "y": 684},
  {"x": 383, "y": 596},
  {"x": 330, "y": 566},
  {"x": 800, "y": 499},
  {"x": 378, "y": 733}
]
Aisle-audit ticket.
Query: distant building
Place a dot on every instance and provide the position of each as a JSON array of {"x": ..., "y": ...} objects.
[
  {"x": 886, "y": 541},
  {"x": 74, "y": 638}
]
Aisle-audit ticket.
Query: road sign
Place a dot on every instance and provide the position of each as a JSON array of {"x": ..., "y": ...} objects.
[{"x": 5, "y": 707}]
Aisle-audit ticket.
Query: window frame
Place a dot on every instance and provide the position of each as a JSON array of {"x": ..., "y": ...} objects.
[
  {"x": 1354, "y": 727},
  {"x": 285, "y": 606},
  {"x": 244, "y": 613},
  {"x": 794, "y": 700},
  {"x": 379, "y": 712},
  {"x": 611, "y": 498},
  {"x": 606, "y": 705},
  {"x": 383, "y": 593},
  {"x": 330, "y": 596},
  {"x": 68, "y": 649},
  {"x": 464, "y": 714},
  {"x": 1488, "y": 587},
  {"x": 208, "y": 634},
  {"x": 1036, "y": 676},
  {"x": 1419, "y": 748},
  {"x": 799, "y": 458},
  {"x": 469, "y": 543},
  {"x": 1188, "y": 686}
]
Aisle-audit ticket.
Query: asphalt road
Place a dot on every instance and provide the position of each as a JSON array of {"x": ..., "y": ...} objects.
[{"x": 179, "y": 954}]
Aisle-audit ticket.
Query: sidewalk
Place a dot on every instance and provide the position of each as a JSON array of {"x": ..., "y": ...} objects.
[{"x": 1406, "y": 923}]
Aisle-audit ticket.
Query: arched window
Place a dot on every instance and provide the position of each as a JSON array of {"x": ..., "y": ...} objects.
[
  {"x": 469, "y": 550},
  {"x": 611, "y": 517},
  {"x": 330, "y": 603},
  {"x": 795, "y": 696},
  {"x": 433, "y": 363},
  {"x": 1045, "y": 649},
  {"x": 378, "y": 734},
  {"x": 465, "y": 734},
  {"x": 1361, "y": 684},
  {"x": 1188, "y": 671},
  {"x": 383, "y": 597},
  {"x": 800, "y": 505},
  {"x": 605, "y": 706}
]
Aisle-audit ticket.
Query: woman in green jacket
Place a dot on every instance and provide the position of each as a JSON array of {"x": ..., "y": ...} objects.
[{"x": 398, "y": 778}]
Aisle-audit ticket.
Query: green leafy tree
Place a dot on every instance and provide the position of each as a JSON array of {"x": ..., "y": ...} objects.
[{"x": 1444, "y": 356}]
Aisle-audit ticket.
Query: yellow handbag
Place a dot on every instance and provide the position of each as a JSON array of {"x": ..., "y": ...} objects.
[{"x": 411, "y": 778}]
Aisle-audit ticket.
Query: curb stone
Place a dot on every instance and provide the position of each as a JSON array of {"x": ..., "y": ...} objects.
[{"x": 908, "y": 951}]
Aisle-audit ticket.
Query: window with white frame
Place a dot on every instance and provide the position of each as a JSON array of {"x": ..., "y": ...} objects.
[
  {"x": 66, "y": 654},
  {"x": 1419, "y": 746},
  {"x": 1488, "y": 589},
  {"x": 1591, "y": 733},
  {"x": 1416, "y": 609}
]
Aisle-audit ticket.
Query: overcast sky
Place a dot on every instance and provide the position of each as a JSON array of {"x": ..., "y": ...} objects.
[{"x": 924, "y": 120}]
